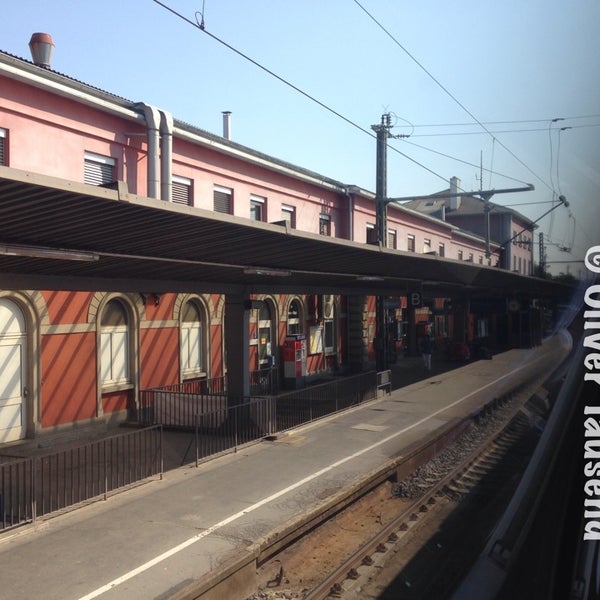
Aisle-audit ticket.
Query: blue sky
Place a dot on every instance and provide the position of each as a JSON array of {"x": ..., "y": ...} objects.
[{"x": 513, "y": 65}]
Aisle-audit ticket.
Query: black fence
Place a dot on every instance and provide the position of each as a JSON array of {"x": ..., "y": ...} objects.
[
  {"x": 36, "y": 486},
  {"x": 264, "y": 382},
  {"x": 177, "y": 405},
  {"x": 229, "y": 427},
  {"x": 317, "y": 401}
]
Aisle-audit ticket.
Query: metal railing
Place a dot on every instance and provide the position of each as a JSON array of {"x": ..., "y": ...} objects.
[
  {"x": 246, "y": 421},
  {"x": 225, "y": 430},
  {"x": 314, "y": 402},
  {"x": 264, "y": 382},
  {"x": 39, "y": 485},
  {"x": 177, "y": 405}
]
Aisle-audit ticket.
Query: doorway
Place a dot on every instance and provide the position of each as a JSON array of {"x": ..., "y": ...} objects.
[{"x": 13, "y": 357}]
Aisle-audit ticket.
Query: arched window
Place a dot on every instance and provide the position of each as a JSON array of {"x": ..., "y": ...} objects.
[
  {"x": 114, "y": 344},
  {"x": 294, "y": 318},
  {"x": 192, "y": 341}
]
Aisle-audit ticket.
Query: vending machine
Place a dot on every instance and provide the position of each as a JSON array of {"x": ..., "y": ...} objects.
[{"x": 294, "y": 361}]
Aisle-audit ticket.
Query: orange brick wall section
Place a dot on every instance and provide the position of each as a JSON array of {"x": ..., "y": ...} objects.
[
  {"x": 115, "y": 401},
  {"x": 68, "y": 368},
  {"x": 159, "y": 357},
  {"x": 67, "y": 307}
]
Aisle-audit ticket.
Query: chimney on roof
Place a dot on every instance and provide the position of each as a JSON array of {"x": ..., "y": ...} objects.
[
  {"x": 454, "y": 189},
  {"x": 41, "y": 46},
  {"x": 227, "y": 124}
]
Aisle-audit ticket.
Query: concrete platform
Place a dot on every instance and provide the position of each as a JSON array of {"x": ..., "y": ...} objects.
[{"x": 169, "y": 538}]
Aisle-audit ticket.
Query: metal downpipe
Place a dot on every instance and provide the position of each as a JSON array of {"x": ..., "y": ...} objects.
[
  {"x": 153, "y": 119},
  {"x": 166, "y": 156}
]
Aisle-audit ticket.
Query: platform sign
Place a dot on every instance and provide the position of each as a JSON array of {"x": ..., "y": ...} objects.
[{"x": 415, "y": 299}]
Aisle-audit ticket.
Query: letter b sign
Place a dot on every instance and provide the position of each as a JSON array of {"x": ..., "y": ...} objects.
[{"x": 415, "y": 299}]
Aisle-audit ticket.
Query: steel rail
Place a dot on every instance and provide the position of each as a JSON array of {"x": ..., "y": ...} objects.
[{"x": 332, "y": 584}]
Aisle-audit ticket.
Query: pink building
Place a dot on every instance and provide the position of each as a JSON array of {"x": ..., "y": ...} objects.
[{"x": 79, "y": 356}]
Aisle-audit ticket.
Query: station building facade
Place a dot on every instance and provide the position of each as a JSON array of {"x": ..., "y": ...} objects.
[{"x": 76, "y": 357}]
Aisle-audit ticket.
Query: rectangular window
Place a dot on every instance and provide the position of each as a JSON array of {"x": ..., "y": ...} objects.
[
  {"x": 426, "y": 246},
  {"x": 98, "y": 169},
  {"x": 481, "y": 260},
  {"x": 257, "y": 208},
  {"x": 223, "y": 200},
  {"x": 329, "y": 335},
  {"x": 324, "y": 224},
  {"x": 371, "y": 234},
  {"x": 410, "y": 244},
  {"x": 442, "y": 249},
  {"x": 460, "y": 255},
  {"x": 114, "y": 342},
  {"x": 392, "y": 241},
  {"x": 182, "y": 190},
  {"x": 191, "y": 347},
  {"x": 482, "y": 328},
  {"x": 3, "y": 148},
  {"x": 288, "y": 214},
  {"x": 470, "y": 257}
]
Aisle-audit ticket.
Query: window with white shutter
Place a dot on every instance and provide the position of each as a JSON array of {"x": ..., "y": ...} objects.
[
  {"x": 115, "y": 349},
  {"x": 222, "y": 198},
  {"x": 3, "y": 152},
  {"x": 181, "y": 190},
  {"x": 257, "y": 208},
  {"x": 288, "y": 214},
  {"x": 98, "y": 169}
]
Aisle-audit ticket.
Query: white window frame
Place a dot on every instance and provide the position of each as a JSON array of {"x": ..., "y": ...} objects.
[
  {"x": 295, "y": 323},
  {"x": 192, "y": 349},
  {"x": 185, "y": 184},
  {"x": 288, "y": 214},
  {"x": 329, "y": 329},
  {"x": 325, "y": 224},
  {"x": 115, "y": 355},
  {"x": 102, "y": 163},
  {"x": 370, "y": 234},
  {"x": 224, "y": 190},
  {"x": 4, "y": 150},
  {"x": 393, "y": 238},
  {"x": 258, "y": 202}
]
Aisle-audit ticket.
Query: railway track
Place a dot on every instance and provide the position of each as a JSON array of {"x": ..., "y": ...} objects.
[
  {"x": 484, "y": 476},
  {"x": 476, "y": 477}
]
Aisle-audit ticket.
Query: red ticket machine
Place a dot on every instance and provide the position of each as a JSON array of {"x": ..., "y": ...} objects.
[{"x": 294, "y": 361}]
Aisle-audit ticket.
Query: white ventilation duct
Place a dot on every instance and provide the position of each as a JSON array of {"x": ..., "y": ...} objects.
[
  {"x": 454, "y": 189},
  {"x": 41, "y": 47},
  {"x": 227, "y": 124}
]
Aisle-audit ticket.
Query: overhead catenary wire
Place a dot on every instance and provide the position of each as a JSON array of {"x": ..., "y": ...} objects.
[
  {"x": 460, "y": 160},
  {"x": 462, "y": 124},
  {"x": 202, "y": 27},
  {"x": 445, "y": 89},
  {"x": 525, "y": 130}
]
